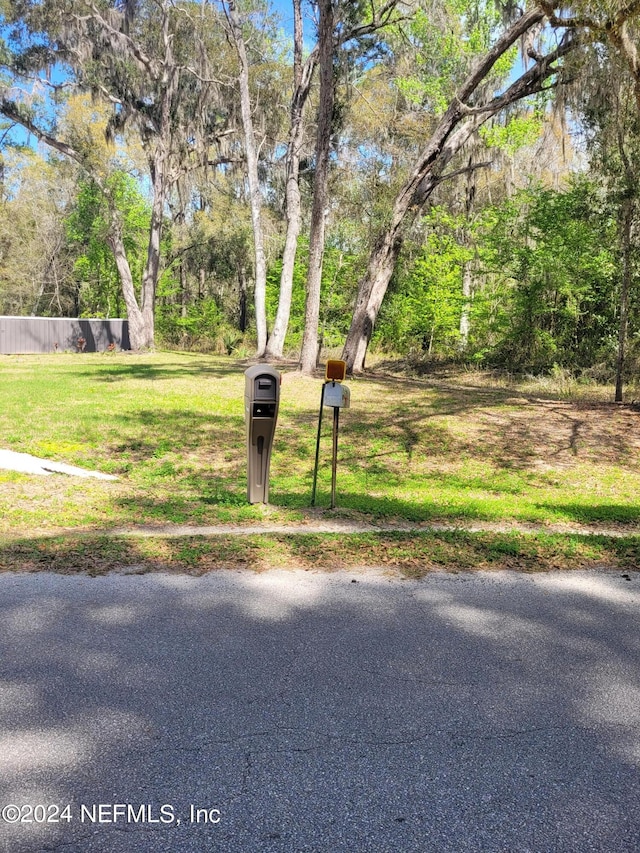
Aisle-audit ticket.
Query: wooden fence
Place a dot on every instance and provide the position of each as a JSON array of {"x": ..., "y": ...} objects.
[{"x": 61, "y": 334}]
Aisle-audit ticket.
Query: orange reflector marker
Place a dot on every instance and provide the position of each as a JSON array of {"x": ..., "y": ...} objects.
[{"x": 336, "y": 370}]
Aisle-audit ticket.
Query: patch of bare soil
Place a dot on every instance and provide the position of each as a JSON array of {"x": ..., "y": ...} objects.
[
  {"x": 542, "y": 434},
  {"x": 557, "y": 434}
]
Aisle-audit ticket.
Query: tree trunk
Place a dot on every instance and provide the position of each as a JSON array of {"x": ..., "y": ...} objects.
[
  {"x": 293, "y": 209},
  {"x": 466, "y": 299},
  {"x": 302, "y": 78},
  {"x": 152, "y": 265},
  {"x": 465, "y": 238},
  {"x": 309, "y": 353},
  {"x": 138, "y": 332},
  {"x": 164, "y": 75},
  {"x": 39, "y": 295},
  {"x": 242, "y": 286},
  {"x": 625, "y": 285},
  {"x": 159, "y": 164},
  {"x": 370, "y": 295},
  {"x": 443, "y": 145},
  {"x": 184, "y": 290},
  {"x": 255, "y": 197}
]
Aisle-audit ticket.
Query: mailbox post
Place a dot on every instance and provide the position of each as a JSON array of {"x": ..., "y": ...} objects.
[
  {"x": 337, "y": 396},
  {"x": 261, "y": 402}
]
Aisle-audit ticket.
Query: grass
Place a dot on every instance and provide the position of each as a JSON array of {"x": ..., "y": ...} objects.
[
  {"x": 171, "y": 427},
  {"x": 409, "y": 554}
]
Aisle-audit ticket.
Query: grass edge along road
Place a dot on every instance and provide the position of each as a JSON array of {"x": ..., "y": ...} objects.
[
  {"x": 411, "y": 554},
  {"x": 459, "y": 450}
]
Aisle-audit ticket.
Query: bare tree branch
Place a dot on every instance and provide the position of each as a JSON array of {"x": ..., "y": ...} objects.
[
  {"x": 11, "y": 109},
  {"x": 528, "y": 83},
  {"x": 466, "y": 170}
]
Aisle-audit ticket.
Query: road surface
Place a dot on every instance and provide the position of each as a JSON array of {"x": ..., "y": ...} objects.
[{"x": 296, "y": 711}]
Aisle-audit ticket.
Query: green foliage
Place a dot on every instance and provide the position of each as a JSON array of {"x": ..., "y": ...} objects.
[
  {"x": 515, "y": 133},
  {"x": 551, "y": 255},
  {"x": 171, "y": 426},
  {"x": 202, "y": 328},
  {"x": 341, "y": 269},
  {"x": 424, "y": 308},
  {"x": 544, "y": 271},
  {"x": 87, "y": 229},
  {"x": 204, "y": 291},
  {"x": 445, "y": 38},
  {"x": 35, "y": 261},
  {"x": 544, "y": 263},
  {"x": 296, "y": 321}
]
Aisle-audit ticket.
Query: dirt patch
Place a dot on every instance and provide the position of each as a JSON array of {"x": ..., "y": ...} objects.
[{"x": 538, "y": 434}]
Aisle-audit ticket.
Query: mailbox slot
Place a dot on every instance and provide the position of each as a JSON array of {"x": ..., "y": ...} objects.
[
  {"x": 264, "y": 410},
  {"x": 265, "y": 388}
]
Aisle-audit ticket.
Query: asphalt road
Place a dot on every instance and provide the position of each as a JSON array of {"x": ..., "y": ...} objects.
[{"x": 298, "y": 711}]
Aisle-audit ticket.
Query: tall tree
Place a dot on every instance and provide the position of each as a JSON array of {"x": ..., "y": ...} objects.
[
  {"x": 88, "y": 226},
  {"x": 355, "y": 24},
  {"x": 611, "y": 114},
  {"x": 255, "y": 192},
  {"x": 615, "y": 129},
  {"x": 338, "y": 25},
  {"x": 302, "y": 77},
  {"x": 475, "y": 99},
  {"x": 309, "y": 352},
  {"x": 36, "y": 262}
]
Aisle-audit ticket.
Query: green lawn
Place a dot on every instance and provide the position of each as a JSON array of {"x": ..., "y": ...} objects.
[{"x": 171, "y": 427}]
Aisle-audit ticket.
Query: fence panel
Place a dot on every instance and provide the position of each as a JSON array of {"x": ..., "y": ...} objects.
[{"x": 61, "y": 334}]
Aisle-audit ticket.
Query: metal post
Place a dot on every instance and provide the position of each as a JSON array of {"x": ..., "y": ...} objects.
[
  {"x": 334, "y": 461},
  {"x": 315, "y": 470}
]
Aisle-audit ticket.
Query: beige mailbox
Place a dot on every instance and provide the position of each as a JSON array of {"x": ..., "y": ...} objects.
[{"x": 261, "y": 401}]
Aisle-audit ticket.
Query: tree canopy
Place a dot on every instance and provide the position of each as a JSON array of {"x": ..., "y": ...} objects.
[{"x": 432, "y": 191}]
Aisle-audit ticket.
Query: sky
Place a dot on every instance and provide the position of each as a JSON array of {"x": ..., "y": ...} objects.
[{"x": 285, "y": 9}]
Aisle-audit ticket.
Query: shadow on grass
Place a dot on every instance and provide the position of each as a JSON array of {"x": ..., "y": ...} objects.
[
  {"x": 467, "y": 509},
  {"x": 367, "y": 506},
  {"x": 414, "y": 553},
  {"x": 402, "y": 440},
  {"x": 542, "y": 432},
  {"x": 391, "y": 452},
  {"x": 187, "y": 465},
  {"x": 596, "y": 514},
  {"x": 152, "y": 432},
  {"x": 218, "y": 505},
  {"x": 151, "y": 372}
]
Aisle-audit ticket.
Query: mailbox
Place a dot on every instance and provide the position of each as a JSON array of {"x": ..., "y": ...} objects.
[
  {"x": 261, "y": 401},
  {"x": 337, "y": 395}
]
